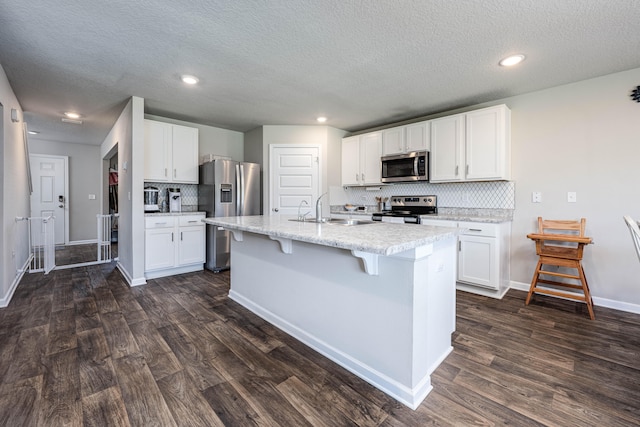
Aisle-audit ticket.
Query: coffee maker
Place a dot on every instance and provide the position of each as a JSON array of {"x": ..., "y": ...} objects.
[
  {"x": 175, "y": 200},
  {"x": 151, "y": 199}
]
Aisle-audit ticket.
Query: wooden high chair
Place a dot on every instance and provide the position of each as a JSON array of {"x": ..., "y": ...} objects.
[{"x": 563, "y": 250}]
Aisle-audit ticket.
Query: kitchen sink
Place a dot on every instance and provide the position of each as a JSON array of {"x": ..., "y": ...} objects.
[{"x": 336, "y": 221}]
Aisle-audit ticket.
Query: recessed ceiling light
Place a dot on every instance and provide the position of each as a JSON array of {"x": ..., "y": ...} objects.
[
  {"x": 72, "y": 115},
  {"x": 74, "y": 121},
  {"x": 512, "y": 60},
  {"x": 188, "y": 79},
  {"x": 321, "y": 119},
  {"x": 33, "y": 132}
]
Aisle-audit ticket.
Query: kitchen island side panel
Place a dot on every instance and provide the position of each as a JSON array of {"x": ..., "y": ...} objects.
[{"x": 386, "y": 328}]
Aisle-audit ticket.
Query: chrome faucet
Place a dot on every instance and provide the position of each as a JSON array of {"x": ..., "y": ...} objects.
[
  {"x": 319, "y": 208},
  {"x": 302, "y": 217}
]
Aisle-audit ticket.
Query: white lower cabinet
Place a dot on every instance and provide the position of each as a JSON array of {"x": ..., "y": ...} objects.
[
  {"x": 483, "y": 256},
  {"x": 173, "y": 245},
  {"x": 478, "y": 257}
]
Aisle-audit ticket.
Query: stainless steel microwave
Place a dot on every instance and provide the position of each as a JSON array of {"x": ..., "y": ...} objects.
[{"x": 406, "y": 167}]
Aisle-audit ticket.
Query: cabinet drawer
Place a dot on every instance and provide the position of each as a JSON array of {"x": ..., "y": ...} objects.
[
  {"x": 478, "y": 229},
  {"x": 191, "y": 220},
  {"x": 438, "y": 222},
  {"x": 159, "y": 222}
]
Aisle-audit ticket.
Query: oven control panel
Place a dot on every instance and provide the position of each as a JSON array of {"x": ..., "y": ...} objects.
[{"x": 413, "y": 201}]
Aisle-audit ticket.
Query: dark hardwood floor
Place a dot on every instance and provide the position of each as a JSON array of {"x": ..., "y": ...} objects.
[{"x": 79, "y": 347}]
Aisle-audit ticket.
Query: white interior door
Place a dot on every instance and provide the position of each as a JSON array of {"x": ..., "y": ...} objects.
[
  {"x": 294, "y": 176},
  {"x": 50, "y": 188}
]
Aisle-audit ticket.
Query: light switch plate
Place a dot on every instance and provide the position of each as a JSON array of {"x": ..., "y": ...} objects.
[
  {"x": 536, "y": 197},
  {"x": 92, "y": 196},
  {"x": 572, "y": 197}
]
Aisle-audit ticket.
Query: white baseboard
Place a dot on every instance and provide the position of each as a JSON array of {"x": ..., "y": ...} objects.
[
  {"x": 4, "y": 301},
  {"x": 127, "y": 277},
  {"x": 154, "y": 274},
  {"x": 597, "y": 301}
]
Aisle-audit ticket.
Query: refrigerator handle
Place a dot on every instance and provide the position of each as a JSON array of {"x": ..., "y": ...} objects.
[
  {"x": 238, "y": 195},
  {"x": 242, "y": 195}
]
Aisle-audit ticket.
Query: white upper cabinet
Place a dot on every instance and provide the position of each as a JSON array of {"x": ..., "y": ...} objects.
[
  {"x": 361, "y": 159},
  {"x": 447, "y": 149},
  {"x": 488, "y": 148},
  {"x": 185, "y": 154},
  {"x": 170, "y": 153},
  {"x": 404, "y": 139},
  {"x": 157, "y": 151},
  {"x": 473, "y": 146},
  {"x": 393, "y": 141}
]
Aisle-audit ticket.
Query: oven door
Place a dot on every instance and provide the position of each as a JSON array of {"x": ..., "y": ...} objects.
[{"x": 405, "y": 167}]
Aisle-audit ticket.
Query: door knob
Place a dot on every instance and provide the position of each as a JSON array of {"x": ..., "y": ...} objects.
[
  {"x": 61, "y": 206},
  {"x": 275, "y": 209}
]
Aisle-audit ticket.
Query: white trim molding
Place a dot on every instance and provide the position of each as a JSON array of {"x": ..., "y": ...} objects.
[{"x": 597, "y": 301}]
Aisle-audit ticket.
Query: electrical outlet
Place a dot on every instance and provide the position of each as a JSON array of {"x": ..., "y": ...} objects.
[
  {"x": 572, "y": 197},
  {"x": 536, "y": 197}
]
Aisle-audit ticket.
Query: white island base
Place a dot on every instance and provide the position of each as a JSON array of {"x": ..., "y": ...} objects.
[{"x": 391, "y": 326}]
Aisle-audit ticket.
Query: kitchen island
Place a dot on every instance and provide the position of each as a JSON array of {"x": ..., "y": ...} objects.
[{"x": 378, "y": 299}]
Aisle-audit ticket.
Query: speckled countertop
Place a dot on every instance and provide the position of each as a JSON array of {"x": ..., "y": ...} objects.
[
  {"x": 172, "y": 213},
  {"x": 377, "y": 238}
]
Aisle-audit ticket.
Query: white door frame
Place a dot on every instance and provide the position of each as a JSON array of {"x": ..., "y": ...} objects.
[
  {"x": 66, "y": 189},
  {"x": 268, "y": 210}
]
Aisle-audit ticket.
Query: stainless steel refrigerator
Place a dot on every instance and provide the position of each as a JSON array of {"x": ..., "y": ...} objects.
[{"x": 227, "y": 188}]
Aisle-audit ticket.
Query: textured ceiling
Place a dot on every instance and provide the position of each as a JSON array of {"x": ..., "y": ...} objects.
[{"x": 360, "y": 63}]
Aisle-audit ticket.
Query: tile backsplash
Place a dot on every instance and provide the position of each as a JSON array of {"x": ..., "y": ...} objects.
[
  {"x": 188, "y": 193},
  {"x": 485, "y": 195}
]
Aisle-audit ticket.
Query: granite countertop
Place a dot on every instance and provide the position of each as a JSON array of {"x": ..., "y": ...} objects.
[
  {"x": 172, "y": 213},
  {"x": 377, "y": 237}
]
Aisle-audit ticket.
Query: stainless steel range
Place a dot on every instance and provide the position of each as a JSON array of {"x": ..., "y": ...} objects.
[{"x": 407, "y": 209}]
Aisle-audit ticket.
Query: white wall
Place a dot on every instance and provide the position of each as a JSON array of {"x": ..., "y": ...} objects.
[
  {"x": 14, "y": 196},
  {"x": 212, "y": 140},
  {"x": 582, "y": 137},
  {"x": 330, "y": 139},
  {"x": 84, "y": 179},
  {"x": 127, "y": 133}
]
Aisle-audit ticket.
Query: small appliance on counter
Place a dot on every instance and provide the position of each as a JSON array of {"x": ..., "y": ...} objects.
[
  {"x": 175, "y": 199},
  {"x": 151, "y": 199},
  {"x": 407, "y": 209}
]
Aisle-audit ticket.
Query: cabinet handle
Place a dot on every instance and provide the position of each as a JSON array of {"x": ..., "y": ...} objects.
[
  {"x": 175, "y": 172},
  {"x": 456, "y": 170},
  {"x": 181, "y": 236},
  {"x": 466, "y": 170},
  {"x": 192, "y": 221},
  {"x": 362, "y": 177},
  {"x": 165, "y": 172},
  {"x": 459, "y": 246},
  {"x": 477, "y": 230},
  {"x": 172, "y": 237},
  {"x": 160, "y": 223},
  {"x": 357, "y": 178}
]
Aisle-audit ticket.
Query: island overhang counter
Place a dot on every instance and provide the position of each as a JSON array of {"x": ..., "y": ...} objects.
[{"x": 378, "y": 299}]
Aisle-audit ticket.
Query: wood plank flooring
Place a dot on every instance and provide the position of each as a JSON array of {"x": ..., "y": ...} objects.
[{"x": 79, "y": 347}]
